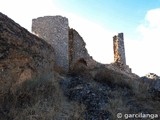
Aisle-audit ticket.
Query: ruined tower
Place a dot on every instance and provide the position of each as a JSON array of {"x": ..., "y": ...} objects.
[
  {"x": 119, "y": 50},
  {"x": 54, "y": 30}
]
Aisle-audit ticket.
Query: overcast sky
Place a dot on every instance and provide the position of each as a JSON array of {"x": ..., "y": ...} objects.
[{"x": 97, "y": 21}]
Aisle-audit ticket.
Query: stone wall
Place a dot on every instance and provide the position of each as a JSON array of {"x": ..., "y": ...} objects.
[
  {"x": 119, "y": 50},
  {"x": 54, "y": 29},
  {"x": 77, "y": 48},
  {"x": 79, "y": 57},
  {"x": 69, "y": 46}
]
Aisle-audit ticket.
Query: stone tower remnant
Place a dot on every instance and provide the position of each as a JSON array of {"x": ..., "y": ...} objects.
[
  {"x": 119, "y": 50},
  {"x": 119, "y": 53},
  {"x": 54, "y": 29}
]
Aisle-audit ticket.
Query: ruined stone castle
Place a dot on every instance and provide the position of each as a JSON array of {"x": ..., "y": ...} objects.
[{"x": 69, "y": 46}]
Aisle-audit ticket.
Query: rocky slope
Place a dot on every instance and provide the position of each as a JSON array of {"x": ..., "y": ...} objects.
[
  {"x": 22, "y": 55},
  {"x": 31, "y": 90}
]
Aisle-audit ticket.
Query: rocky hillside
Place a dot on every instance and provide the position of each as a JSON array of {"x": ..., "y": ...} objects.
[
  {"x": 22, "y": 55},
  {"x": 30, "y": 89}
]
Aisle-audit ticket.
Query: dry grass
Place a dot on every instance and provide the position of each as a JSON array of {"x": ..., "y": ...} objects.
[
  {"x": 140, "y": 90},
  {"x": 109, "y": 76},
  {"x": 40, "y": 98},
  {"x": 117, "y": 105}
]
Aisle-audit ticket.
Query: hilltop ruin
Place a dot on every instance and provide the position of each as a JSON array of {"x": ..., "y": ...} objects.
[
  {"x": 31, "y": 88},
  {"x": 69, "y": 46}
]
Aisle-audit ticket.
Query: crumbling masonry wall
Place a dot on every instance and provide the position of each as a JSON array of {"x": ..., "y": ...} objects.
[
  {"x": 119, "y": 50},
  {"x": 77, "y": 48},
  {"x": 69, "y": 47},
  {"x": 54, "y": 30}
]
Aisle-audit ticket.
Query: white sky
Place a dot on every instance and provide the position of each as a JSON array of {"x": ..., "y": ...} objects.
[{"x": 141, "y": 55}]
